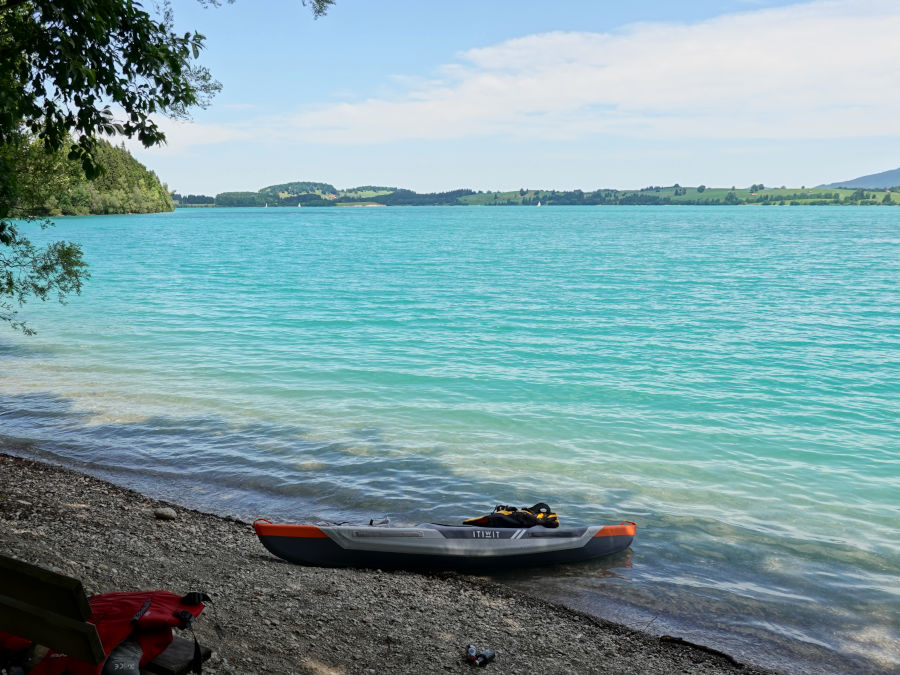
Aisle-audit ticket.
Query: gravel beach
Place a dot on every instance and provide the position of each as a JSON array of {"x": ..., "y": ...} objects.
[{"x": 283, "y": 618}]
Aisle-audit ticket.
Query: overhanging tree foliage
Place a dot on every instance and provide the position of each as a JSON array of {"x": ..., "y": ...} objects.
[
  {"x": 64, "y": 64},
  {"x": 28, "y": 271},
  {"x": 72, "y": 71}
]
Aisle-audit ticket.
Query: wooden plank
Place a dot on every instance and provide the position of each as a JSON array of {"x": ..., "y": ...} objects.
[
  {"x": 69, "y": 636},
  {"x": 39, "y": 587},
  {"x": 177, "y": 658}
]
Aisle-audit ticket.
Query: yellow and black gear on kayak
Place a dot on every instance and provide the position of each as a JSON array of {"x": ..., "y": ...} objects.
[{"x": 510, "y": 516}]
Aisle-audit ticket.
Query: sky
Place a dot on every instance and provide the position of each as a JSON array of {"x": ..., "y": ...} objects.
[{"x": 436, "y": 95}]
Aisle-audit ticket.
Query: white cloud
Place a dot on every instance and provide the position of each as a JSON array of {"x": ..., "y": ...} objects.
[
  {"x": 817, "y": 70},
  {"x": 181, "y": 135}
]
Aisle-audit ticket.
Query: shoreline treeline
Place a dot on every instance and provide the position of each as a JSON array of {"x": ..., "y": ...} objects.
[{"x": 323, "y": 194}]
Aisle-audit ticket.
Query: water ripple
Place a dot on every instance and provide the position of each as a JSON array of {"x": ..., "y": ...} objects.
[{"x": 728, "y": 378}]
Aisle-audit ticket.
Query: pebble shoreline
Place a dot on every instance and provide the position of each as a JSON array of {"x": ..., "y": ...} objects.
[{"x": 283, "y": 618}]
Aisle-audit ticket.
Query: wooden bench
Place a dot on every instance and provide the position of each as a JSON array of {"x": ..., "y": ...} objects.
[
  {"x": 52, "y": 610},
  {"x": 47, "y": 608}
]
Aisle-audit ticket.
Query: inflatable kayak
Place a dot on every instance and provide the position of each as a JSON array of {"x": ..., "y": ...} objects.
[{"x": 435, "y": 546}]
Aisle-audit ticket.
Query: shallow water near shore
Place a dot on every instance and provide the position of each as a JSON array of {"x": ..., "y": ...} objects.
[{"x": 728, "y": 378}]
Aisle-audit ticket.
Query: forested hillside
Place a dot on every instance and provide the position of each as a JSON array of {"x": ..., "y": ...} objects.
[{"x": 55, "y": 186}]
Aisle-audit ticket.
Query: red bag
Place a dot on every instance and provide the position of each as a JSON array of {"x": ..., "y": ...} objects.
[
  {"x": 147, "y": 617},
  {"x": 11, "y": 643}
]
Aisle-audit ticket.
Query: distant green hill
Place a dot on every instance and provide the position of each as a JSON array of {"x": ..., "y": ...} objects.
[
  {"x": 298, "y": 193},
  {"x": 367, "y": 191},
  {"x": 874, "y": 181},
  {"x": 297, "y": 188},
  {"x": 324, "y": 194}
]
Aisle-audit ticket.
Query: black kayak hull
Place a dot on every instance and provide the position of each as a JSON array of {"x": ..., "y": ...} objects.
[{"x": 441, "y": 547}]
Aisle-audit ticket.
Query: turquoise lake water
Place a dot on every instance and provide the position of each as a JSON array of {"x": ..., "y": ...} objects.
[{"x": 728, "y": 378}]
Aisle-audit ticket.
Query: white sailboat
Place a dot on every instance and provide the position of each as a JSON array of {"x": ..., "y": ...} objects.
[{"x": 539, "y": 203}]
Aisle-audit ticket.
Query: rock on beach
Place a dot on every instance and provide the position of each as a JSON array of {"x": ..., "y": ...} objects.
[
  {"x": 165, "y": 513},
  {"x": 283, "y": 618}
]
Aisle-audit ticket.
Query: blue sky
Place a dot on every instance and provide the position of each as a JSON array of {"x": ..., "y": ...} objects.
[{"x": 502, "y": 94}]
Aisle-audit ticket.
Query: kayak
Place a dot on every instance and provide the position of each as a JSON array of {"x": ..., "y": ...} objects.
[{"x": 446, "y": 547}]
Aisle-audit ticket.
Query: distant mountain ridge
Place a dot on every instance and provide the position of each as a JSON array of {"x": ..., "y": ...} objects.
[{"x": 874, "y": 181}]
